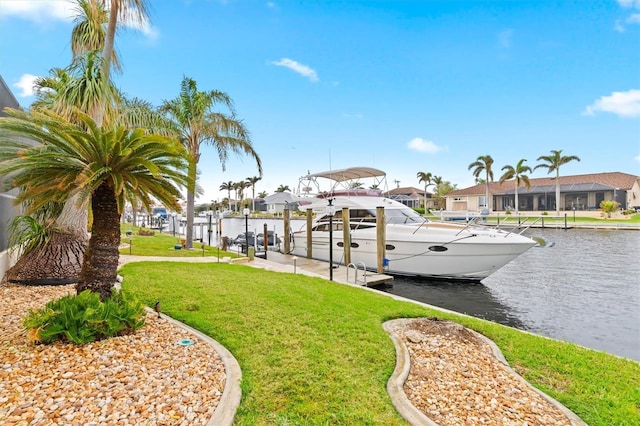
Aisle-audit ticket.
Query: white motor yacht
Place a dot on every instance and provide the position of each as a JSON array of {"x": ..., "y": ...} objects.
[{"x": 414, "y": 245}]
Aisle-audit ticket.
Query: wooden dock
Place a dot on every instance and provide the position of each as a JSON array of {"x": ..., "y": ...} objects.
[{"x": 341, "y": 273}]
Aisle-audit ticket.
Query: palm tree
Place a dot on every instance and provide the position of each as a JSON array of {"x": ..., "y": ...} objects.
[
  {"x": 227, "y": 186},
  {"x": 356, "y": 185},
  {"x": 518, "y": 174},
  {"x": 236, "y": 194},
  {"x": 283, "y": 188},
  {"x": 263, "y": 194},
  {"x": 196, "y": 122},
  {"x": 483, "y": 164},
  {"x": 90, "y": 31},
  {"x": 99, "y": 166},
  {"x": 552, "y": 163},
  {"x": 252, "y": 182},
  {"x": 426, "y": 178}
]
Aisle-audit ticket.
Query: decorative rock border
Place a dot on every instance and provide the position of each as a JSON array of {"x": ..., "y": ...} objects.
[{"x": 395, "y": 385}]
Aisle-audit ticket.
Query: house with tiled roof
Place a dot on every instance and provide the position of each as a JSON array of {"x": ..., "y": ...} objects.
[{"x": 577, "y": 192}]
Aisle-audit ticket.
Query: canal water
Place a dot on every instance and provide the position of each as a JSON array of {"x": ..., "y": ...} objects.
[{"x": 583, "y": 287}]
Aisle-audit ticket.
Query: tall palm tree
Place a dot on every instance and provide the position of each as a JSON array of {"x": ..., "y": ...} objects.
[
  {"x": 134, "y": 11},
  {"x": 552, "y": 163},
  {"x": 196, "y": 122},
  {"x": 484, "y": 164},
  {"x": 426, "y": 178},
  {"x": 227, "y": 186},
  {"x": 283, "y": 188},
  {"x": 237, "y": 194},
  {"x": 252, "y": 181},
  {"x": 518, "y": 174},
  {"x": 262, "y": 194},
  {"x": 99, "y": 166},
  {"x": 90, "y": 31}
]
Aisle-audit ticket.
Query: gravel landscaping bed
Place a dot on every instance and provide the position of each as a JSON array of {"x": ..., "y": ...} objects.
[
  {"x": 147, "y": 378},
  {"x": 455, "y": 379}
]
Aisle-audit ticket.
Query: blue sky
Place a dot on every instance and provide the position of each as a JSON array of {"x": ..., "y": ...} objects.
[{"x": 404, "y": 86}]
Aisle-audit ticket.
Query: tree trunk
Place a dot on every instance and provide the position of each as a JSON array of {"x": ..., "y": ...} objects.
[
  {"x": 59, "y": 260},
  {"x": 192, "y": 172},
  {"x": 557, "y": 192},
  {"x": 100, "y": 265}
]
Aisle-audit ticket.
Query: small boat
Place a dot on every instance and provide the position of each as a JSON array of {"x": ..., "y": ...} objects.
[{"x": 414, "y": 245}]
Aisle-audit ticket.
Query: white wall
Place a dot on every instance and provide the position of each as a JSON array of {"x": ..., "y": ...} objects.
[{"x": 6, "y": 261}]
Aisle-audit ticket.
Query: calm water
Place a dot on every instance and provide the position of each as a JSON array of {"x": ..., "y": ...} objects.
[{"x": 583, "y": 288}]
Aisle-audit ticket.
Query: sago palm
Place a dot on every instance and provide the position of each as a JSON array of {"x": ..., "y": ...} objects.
[{"x": 97, "y": 165}]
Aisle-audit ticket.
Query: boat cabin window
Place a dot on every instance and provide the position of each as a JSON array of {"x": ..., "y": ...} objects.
[{"x": 324, "y": 226}]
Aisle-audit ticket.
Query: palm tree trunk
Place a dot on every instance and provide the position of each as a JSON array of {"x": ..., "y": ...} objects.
[
  {"x": 191, "y": 204},
  {"x": 487, "y": 194},
  {"x": 557, "y": 192},
  {"x": 100, "y": 277},
  {"x": 59, "y": 260}
]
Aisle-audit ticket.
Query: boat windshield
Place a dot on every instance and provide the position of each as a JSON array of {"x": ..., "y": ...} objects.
[{"x": 403, "y": 216}]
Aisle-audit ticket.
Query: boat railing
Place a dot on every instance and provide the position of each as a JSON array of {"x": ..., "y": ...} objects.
[{"x": 356, "y": 268}]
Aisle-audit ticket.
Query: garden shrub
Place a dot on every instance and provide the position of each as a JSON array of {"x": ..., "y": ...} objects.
[
  {"x": 144, "y": 232},
  {"x": 83, "y": 318}
]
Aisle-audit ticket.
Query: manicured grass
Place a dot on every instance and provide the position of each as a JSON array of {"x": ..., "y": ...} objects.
[
  {"x": 314, "y": 352},
  {"x": 164, "y": 245}
]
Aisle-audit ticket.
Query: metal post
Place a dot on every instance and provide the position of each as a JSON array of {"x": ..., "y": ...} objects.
[
  {"x": 266, "y": 240},
  {"x": 330, "y": 212},
  {"x": 246, "y": 230},
  {"x": 209, "y": 230}
]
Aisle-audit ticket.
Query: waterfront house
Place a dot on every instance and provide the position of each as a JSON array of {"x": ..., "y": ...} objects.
[
  {"x": 277, "y": 202},
  {"x": 410, "y": 197},
  {"x": 577, "y": 192}
]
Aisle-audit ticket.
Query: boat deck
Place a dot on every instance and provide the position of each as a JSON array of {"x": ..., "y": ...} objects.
[{"x": 341, "y": 273}]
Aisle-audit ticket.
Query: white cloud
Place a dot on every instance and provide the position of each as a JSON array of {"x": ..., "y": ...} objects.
[
  {"x": 629, "y": 3},
  {"x": 421, "y": 145},
  {"x": 297, "y": 67},
  {"x": 633, "y": 19},
  {"x": 624, "y": 104},
  {"x": 504, "y": 38},
  {"x": 40, "y": 11},
  {"x": 25, "y": 84}
]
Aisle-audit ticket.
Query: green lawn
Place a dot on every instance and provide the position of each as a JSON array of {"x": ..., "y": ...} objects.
[
  {"x": 164, "y": 245},
  {"x": 313, "y": 352}
]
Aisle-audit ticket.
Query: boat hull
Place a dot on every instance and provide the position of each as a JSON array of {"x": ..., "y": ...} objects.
[{"x": 436, "y": 250}]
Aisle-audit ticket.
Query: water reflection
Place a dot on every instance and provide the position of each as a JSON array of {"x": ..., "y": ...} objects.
[{"x": 473, "y": 299}]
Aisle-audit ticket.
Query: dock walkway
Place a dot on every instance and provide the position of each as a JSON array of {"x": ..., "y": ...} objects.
[{"x": 342, "y": 274}]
